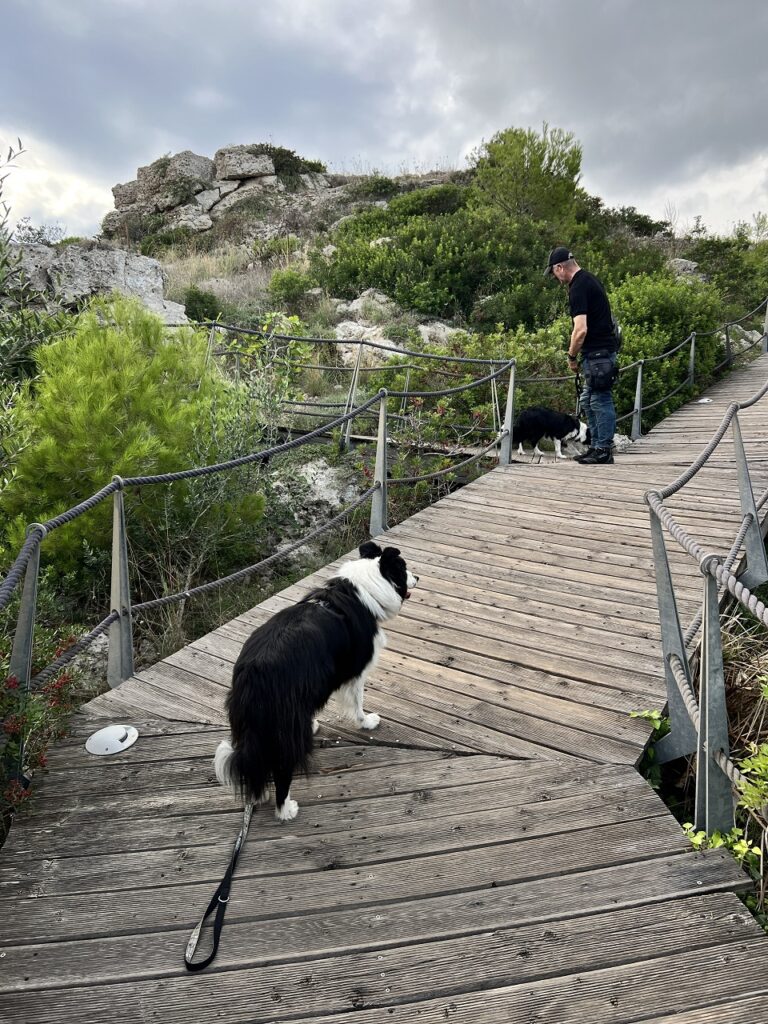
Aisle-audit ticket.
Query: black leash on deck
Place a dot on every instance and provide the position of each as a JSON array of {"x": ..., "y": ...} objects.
[{"x": 219, "y": 902}]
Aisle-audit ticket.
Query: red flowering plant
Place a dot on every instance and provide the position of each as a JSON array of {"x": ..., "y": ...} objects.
[{"x": 33, "y": 718}]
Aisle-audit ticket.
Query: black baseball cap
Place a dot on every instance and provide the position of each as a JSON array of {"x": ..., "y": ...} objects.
[{"x": 558, "y": 255}]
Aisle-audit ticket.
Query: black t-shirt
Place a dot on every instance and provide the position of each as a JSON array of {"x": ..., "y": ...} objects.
[{"x": 587, "y": 295}]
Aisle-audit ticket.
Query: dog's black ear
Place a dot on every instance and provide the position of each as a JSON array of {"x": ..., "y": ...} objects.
[
  {"x": 370, "y": 550},
  {"x": 388, "y": 554}
]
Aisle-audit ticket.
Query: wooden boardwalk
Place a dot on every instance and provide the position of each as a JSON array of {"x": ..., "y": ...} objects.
[{"x": 489, "y": 854}]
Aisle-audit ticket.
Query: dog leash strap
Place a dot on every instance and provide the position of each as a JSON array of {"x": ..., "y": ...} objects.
[{"x": 219, "y": 902}]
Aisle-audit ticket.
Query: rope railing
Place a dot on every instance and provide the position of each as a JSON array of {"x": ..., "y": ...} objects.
[
  {"x": 242, "y": 574},
  {"x": 702, "y": 726},
  {"x": 449, "y": 469},
  {"x": 352, "y": 341},
  {"x": 119, "y": 622}
]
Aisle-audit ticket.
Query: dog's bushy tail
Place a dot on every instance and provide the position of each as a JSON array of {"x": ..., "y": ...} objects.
[{"x": 242, "y": 770}]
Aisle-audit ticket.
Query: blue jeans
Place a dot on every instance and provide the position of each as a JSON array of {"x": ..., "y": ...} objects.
[{"x": 598, "y": 410}]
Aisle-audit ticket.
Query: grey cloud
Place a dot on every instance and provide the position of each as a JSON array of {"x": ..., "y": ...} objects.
[{"x": 656, "y": 92}]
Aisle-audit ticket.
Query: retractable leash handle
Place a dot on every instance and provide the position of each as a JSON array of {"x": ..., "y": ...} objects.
[{"x": 219, "y": 902}]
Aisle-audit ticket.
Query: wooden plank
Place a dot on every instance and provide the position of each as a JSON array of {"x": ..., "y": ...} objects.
[
  {"x": 66, "y": 917},
  {"x": 574, "y": 942},
  {"x": 367, "y": 844},
  {"x": 452, "y": 966},
  {"x": 399, "y": 798}
]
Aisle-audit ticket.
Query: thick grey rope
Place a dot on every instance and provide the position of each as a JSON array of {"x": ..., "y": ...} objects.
[
  {"x": 720, "y": 758},
  {"x": 453, "y": 391},
  {"x": 728, "y": 564},
  {"x": 450, "y": 469},
  {"x": 352, "y": 341},
  {"x": 244, "y": 460},
  {"x": 71, "y": 652},
  {"x": 243, "y": 573}
]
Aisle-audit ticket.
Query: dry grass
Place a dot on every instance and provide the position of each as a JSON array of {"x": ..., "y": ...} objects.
[{"x": 224, "y": 272}]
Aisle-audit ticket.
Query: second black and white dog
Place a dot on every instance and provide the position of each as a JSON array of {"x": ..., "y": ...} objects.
[
  {"x": 537, "y": 422},
  {"x": 290, "y": 666}
]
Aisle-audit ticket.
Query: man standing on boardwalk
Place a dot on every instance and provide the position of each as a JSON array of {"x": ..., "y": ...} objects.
[{"x": 594, "y": 339}]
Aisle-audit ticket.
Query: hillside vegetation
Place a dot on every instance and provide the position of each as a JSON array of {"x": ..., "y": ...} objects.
[{"x": 108, "y": 389}]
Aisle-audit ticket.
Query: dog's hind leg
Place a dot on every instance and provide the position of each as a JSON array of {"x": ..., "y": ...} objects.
[{"x": 286, "y": 809}]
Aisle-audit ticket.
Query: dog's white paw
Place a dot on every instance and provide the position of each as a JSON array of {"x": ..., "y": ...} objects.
[
  {"x": 288, "y": 811},
  {"x": 370, "y": 721},
  {"x": 315, "y": 725}
]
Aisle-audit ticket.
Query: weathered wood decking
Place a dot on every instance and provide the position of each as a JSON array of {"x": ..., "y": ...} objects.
[{"x": 489, "y": 854}]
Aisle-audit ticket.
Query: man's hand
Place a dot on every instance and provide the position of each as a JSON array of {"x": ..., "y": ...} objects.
[{"x": 573, "y": 363}]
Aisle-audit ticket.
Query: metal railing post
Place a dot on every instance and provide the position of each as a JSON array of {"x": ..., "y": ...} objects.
[
  {"x": 505, "y": 451},
  {"x": 728, "y": 348},
  {"x": 692, "y": 361},
  {"x": 351, "y": 398},
  {"x": 765, "y": 330},
  {"x": 20, "y": 666},
  {"x": 378, "y": 523},
  {"x": 756, "y": 571},
  {"x": 714, "y": 793},
  {"x": 681, "y": 739},
  {"x": 407, "y": 388},
  {"x": 637, "y": 412},
  {"x": 120, "y": 658}
]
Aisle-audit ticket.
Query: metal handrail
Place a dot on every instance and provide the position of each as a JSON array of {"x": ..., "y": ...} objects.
[{"x": 701, "y": 727}]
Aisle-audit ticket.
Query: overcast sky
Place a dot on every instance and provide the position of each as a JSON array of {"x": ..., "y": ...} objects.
[{"x": 667, "y": 97}]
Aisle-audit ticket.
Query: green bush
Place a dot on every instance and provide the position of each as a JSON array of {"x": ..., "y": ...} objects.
[
  {"x": 287, "y": 288},
  {"x": 288, "y": 164},
  {"x": 376, "y": 186},
  {"x": 201, "y": 305},
  {"x": 158, "y": 242},
  {"x": 123, "y": 395}
]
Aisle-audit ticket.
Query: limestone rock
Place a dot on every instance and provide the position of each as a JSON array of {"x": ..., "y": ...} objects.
[
  {"x": 373, "y": 302},
  {"x": 192, "y": 218},
  {"x": 315, "y": 181},
  {"x": 239, "y": 162},
  {"x": 78, "y": 273},
  {"x": 36, "y": 261},
  {"x": 349, "y": 330},
  {"x": 172, "y": 181},
  {"x": 126, "y": 195},
  {"x": 685, "y": 268},
  {"x": 437, "y": 333},
  {"x": 249, "y": 190}
]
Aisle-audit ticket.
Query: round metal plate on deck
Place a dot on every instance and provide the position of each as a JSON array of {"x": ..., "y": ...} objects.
[{"x": 112, "y": 739}]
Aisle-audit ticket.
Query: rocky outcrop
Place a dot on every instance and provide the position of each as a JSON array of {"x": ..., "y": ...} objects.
[
  {"x": 74, "y": 273},
  {"x": 193, "y": 192},
  {"x": 235, "y": 163}
]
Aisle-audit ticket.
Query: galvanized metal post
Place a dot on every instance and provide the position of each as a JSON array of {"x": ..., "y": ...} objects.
[
  {"x": 637, "y": 412},
  {"x": 20, "y": 666},
  {"x": 765, "y": 330},
  {"x": 120, "y": 657},
  {"x": 351, "y": 398},
  {"x": 692, "y": 361},
  {"x": 681, "y": 739},
  {"x": 378, "y": 523},
  {"x": 505, "y": 451},
  {"x": 728, "y": 349},
  {"x": 756, "y": 571},
  {"x": 714, "y": 793},
  {"x": 406, "y": 389}
]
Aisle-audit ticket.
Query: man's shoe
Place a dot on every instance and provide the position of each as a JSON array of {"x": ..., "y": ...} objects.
[
  {"x": 582, "y": 457},
  {"x": 598, "y": 457}
]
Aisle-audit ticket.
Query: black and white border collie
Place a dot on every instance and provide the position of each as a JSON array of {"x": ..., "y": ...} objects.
[
  {"x": 288, "y": 668},
  {"x": 537, "y": 421}
]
